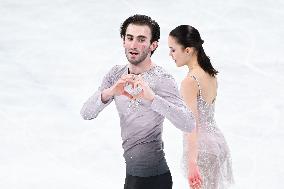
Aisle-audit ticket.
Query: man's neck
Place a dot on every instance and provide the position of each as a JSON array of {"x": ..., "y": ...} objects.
[{"x": 140, "y": 68}]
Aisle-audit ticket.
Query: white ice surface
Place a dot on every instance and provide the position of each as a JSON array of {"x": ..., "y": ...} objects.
[{"x": 54, "y": 53}]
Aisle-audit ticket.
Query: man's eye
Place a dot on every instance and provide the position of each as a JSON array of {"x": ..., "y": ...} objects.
[
  {"x": 141, "y": 40},
  {"x": 129, "y": 38}
]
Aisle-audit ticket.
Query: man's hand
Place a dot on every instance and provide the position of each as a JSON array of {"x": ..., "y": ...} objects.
[
  {"x": 118, "y": 88},
  {"x": 146, "y": 92}
]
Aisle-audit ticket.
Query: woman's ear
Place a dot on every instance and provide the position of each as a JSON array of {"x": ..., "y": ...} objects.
[{"x": 189, "y": 50}]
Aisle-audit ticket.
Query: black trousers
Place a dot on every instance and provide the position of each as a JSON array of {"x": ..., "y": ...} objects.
[{"x": 163, "y": 181}]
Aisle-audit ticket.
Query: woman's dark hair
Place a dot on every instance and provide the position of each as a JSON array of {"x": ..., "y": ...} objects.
[
  {"x": 188, "y": 36},
  {"x": 142, "y": 20}
]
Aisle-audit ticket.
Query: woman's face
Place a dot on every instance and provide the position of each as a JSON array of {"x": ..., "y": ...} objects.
[{"x": 177, "y": 52}]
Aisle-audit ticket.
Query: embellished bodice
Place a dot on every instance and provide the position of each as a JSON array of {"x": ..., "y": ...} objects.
[{"x": 206, "y": 112}]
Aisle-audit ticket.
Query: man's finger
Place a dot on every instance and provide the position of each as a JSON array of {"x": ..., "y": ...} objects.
[
  {"x": 128, "y": 76},
  {"x": 127, "y": 94}
]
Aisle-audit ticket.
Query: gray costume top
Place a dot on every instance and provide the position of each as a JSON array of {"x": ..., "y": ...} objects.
[{"x": 141, "y": 121}]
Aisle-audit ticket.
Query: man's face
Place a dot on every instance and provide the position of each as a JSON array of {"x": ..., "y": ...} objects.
[{"x": 137, "y": 43}]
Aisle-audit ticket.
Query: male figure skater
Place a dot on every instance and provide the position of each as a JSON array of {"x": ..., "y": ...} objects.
[{"x": 144, "y": 95}]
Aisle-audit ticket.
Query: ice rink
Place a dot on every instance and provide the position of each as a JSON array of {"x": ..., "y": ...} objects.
[{"x": 54, "y": 53}]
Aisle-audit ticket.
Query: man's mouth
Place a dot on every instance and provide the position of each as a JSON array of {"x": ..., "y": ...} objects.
[{"x": 133, "y": 53}]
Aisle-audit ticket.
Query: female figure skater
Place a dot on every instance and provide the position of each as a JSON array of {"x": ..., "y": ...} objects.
[{"x": 206, "y": 156}]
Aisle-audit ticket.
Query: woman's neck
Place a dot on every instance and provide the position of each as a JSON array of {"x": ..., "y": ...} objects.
[{"x": 193, "y": 64}]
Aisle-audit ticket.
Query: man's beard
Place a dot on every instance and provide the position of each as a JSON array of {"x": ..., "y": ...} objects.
[{"x": 140, "y": 59}]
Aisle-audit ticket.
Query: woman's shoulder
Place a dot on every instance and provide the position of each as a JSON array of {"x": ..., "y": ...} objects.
[
  {"x": 189, "y": 83},
  {"x": 188, "y": 80},
  {"x": 202, "y": 77}
]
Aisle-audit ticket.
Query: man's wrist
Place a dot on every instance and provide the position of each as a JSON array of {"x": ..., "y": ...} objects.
[{"x": 106, "y": 95}]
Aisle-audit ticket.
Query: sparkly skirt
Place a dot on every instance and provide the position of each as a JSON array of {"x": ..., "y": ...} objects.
[{"x": 214, "y": 161}]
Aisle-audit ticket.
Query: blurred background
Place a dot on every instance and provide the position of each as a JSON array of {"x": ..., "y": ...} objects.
[{"x": 54, "y": 54}]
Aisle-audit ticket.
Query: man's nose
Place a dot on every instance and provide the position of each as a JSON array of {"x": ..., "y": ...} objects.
[{"x": 133, "y": 44}]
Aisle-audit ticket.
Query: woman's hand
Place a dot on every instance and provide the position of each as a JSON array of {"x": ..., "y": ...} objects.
[{"x": 194, "y": 177}]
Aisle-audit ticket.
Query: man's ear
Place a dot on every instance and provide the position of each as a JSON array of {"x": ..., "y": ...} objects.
[
  {"x": 123, "y": 41},
  {"x": 154, "y": 45}
]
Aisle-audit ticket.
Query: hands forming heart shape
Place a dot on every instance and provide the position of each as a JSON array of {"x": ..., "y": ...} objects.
[
  {"x": 133, "y": 91},
  {"x": 132, "y": 86}
]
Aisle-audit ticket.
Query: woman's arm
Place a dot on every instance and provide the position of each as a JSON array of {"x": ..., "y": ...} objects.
[{"x": 189, "y": 92}]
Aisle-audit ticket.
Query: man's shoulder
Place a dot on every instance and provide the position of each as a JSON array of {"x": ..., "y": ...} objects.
[
  {"x": 165, "y": 81},
  {"x": 115, "y": 72},
  {"x": 162, "y": 73},
  {"x": 116, "y": 69}
]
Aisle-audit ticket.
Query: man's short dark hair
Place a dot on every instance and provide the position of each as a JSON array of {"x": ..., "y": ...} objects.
[{"x": 142, "y": 20}]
